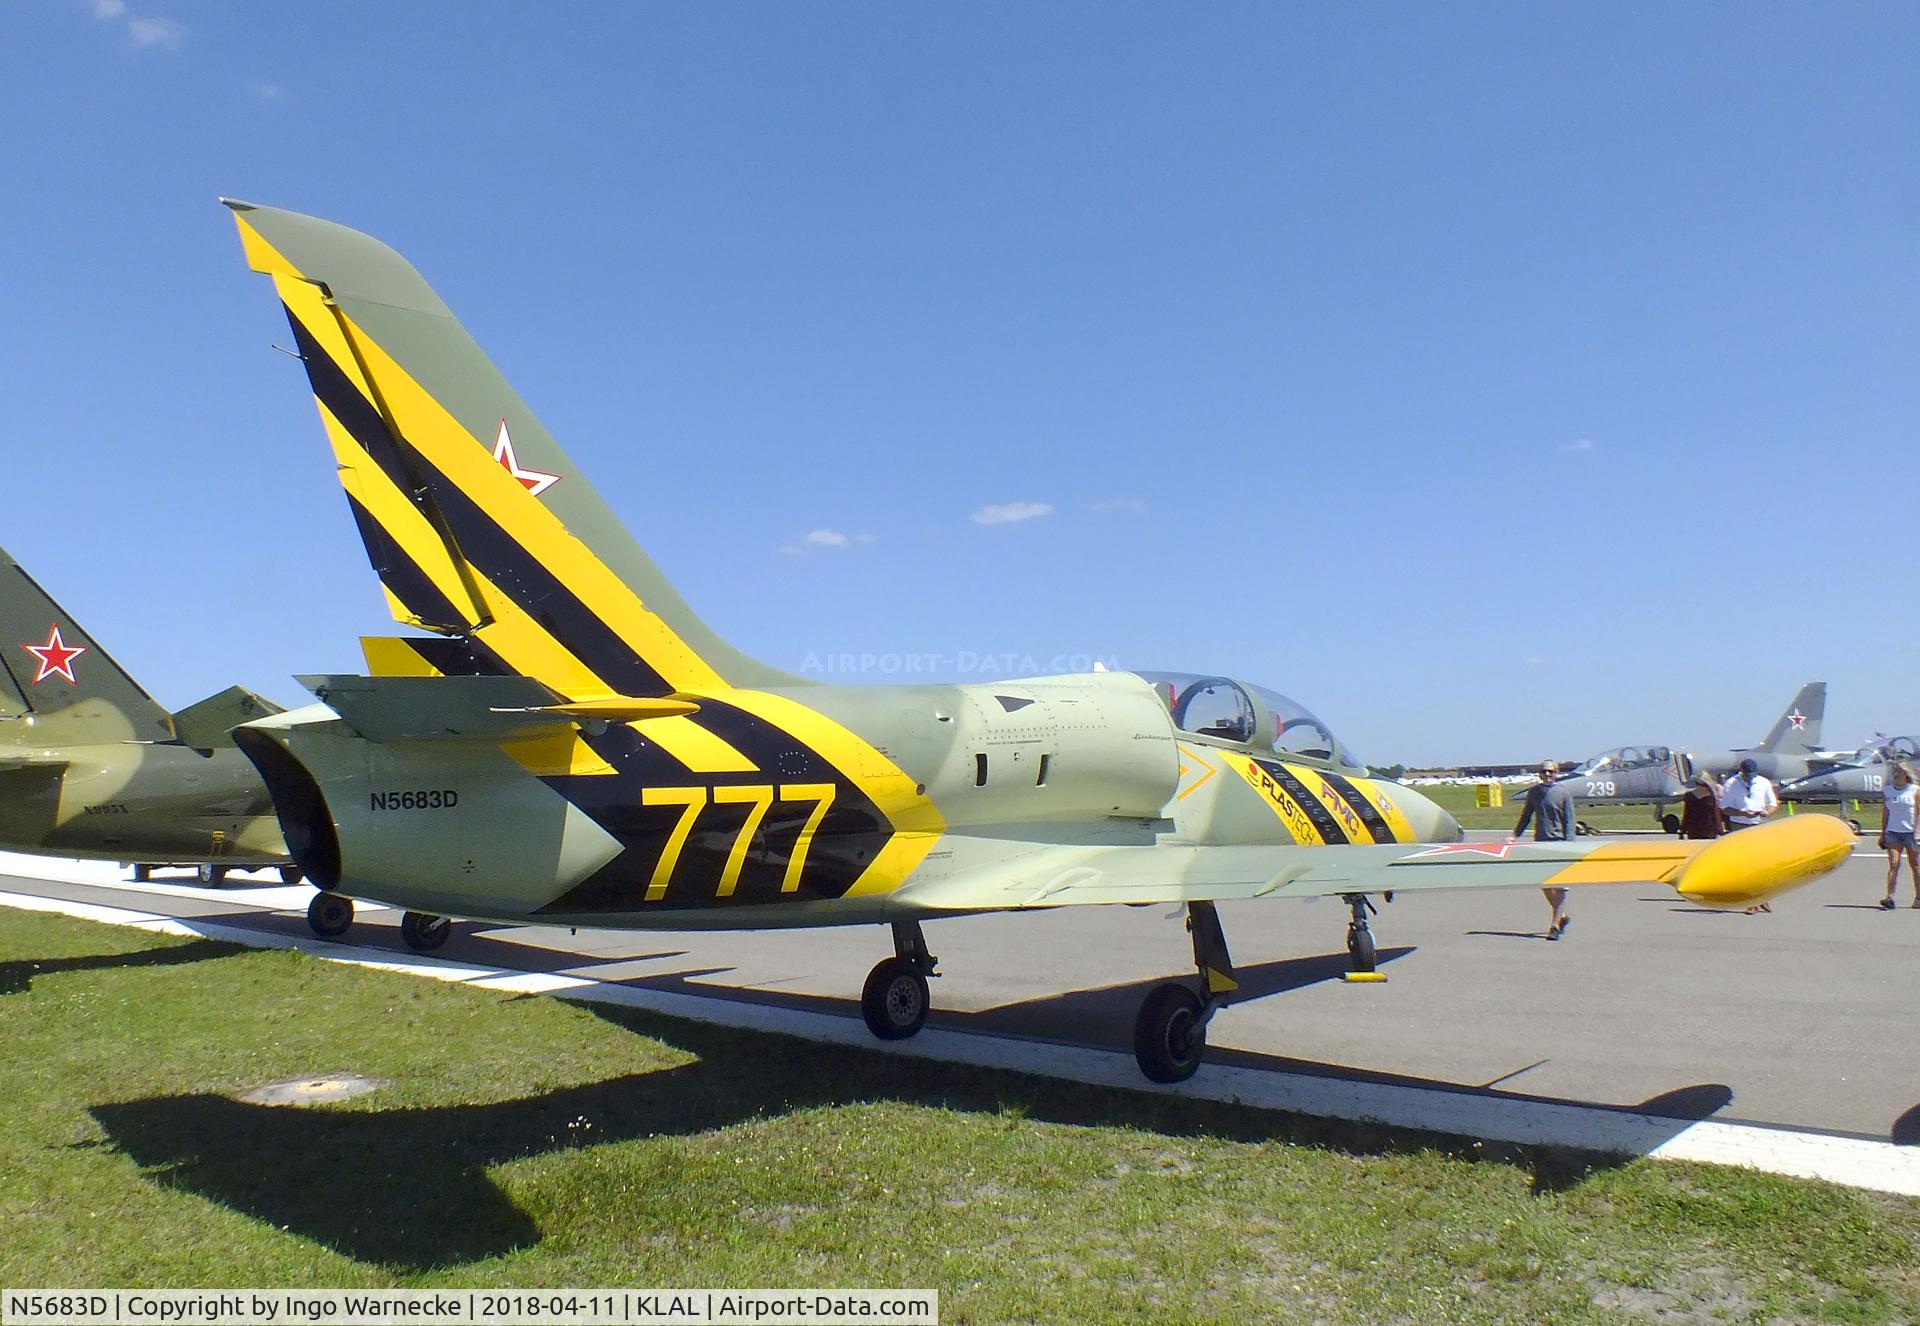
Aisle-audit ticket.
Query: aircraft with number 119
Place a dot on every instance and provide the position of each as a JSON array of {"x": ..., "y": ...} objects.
[{"x": 572, "y": 745}]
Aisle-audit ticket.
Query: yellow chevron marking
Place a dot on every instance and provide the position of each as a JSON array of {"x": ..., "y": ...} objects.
[
  {"x": 468, "y": 463},
  {"x": 1292, "y": 814},
  {"x": 916, "y": 821},
  {"x": 1187, "y": 753}
]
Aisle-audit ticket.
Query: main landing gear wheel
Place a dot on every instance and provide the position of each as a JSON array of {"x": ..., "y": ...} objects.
[
  {"x": 1170, "y": 1034},
  {"x": 895, "y": 1000},
  {"x": 424, "y": 931},
  {"x": 329, "y": 915},
  {"x": 211, "y": 875},
  {"x": 1582, "y": 827},
  {"x": 290, "y": 875},
  {"x": 1360, "y": 951},
  {"x": 142, "y": 873},
  {"x": 1670, "y": 822}
]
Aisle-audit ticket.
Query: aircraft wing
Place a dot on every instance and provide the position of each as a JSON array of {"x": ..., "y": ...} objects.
[{"x": 1736, "y": 871}]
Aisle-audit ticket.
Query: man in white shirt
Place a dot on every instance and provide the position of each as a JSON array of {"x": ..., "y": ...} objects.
[
  {"x": 1748, "y": 798},
  {"x": 1897, "y": 831}
]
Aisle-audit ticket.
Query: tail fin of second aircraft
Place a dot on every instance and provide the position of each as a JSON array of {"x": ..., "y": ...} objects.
[
  {"x": 55, "y": 670},
  {"x": 478, "y": 525},
  {"x": 1797, "y": 731}
]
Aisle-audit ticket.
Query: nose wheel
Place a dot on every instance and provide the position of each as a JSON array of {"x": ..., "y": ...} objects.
[
  {"x": 895, "y": 1000},
  {"x": 1360, "y": 953}
]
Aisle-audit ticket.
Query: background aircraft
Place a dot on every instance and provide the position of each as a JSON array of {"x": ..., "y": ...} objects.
[
  {"x": 1862, "y": 778},
  {"x": 580, "y": 749},
  {"x": 1659, "y": 775},
  {"x": 91, "y": 766}
]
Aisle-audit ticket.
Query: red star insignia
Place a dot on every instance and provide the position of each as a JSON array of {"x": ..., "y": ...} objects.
[
  {"x": 56, "y": 657},
  {"x": 1497, "y": 850},
  {"x": 1798, "y": 719},
  {"x": 534, "y": 481}
]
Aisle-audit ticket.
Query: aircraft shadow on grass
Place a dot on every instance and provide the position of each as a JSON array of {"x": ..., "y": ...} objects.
[
  {"x": 411, "y": 1189},
  {"x": 17, "y": 977}
]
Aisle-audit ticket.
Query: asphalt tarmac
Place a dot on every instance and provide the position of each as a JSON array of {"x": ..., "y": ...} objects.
[{"x": 1807, "y": 1018}]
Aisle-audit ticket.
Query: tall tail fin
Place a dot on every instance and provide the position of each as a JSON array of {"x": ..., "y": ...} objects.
[
  {"x": 56, "y": 671},
  {"x": 1797, "y": 731},
  {"x": 477, "y": 523}
]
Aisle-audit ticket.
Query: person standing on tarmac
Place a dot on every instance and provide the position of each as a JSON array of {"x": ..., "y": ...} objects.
[
  {"x": 1748, "y": 799},
  {"x": 1897, "y": 831},
  {"x": 1700, "y": 809},
  {"x": 1549, "y": 808}
]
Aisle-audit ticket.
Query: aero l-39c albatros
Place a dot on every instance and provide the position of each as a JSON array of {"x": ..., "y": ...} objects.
[
  {"x": 575, "y": 747},
  {"x": 91, "y": 766},
  {"x": 1659, "y": 775}
]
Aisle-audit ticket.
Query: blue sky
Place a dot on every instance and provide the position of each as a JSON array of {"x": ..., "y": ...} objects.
[{"x": 1497, "y": 380}]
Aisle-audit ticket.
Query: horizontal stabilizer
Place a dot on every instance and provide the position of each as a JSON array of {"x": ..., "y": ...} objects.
[
  {"x": 210, "y": 723},
  {"x": 440, "y": 708}
]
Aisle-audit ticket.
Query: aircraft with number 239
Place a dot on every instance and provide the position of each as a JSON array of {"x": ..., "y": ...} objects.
[{"x": 573, "y": 746}]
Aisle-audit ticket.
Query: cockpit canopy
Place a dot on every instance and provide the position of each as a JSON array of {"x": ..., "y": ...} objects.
[
  {"x": 1888, "y": 750},
  {"x": 1246, "y": 715},
  {"x": 1626, "y": 757}
]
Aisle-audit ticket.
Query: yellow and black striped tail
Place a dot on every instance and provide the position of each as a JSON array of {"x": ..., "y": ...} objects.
[{"x": 477, "y": 523}]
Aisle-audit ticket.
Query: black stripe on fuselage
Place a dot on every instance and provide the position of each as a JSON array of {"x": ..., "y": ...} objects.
[
  {"x": 1369, "y": 815},
  {"x": 1323, "y": 819}
]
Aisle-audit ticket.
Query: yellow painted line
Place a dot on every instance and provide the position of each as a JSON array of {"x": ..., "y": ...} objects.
[
  {"x": 1188, "y": 753},
  {"x": 1291, "y": 814},
  {"x": 1356, "y": 828}
]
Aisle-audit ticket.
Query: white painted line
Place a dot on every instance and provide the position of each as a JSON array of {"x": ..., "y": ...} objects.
[{"x": 1855, "y": 1162}]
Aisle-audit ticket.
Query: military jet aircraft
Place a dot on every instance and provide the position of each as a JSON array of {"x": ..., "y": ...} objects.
[
  {"x": 577, "y": 748},
  {"x": 1659, "y": 775},
  {"x": 1862, "y": 777},
  {"x": 91, "y": 766}
]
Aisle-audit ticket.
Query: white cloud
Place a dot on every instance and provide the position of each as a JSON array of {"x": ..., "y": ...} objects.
[
  {"x": 160, "y": 33},
  {"x": 266, "y": 91},
  {"x": 1005, "y": 513},
  {"x": 1536, "y": 662},
  {"x": 815, "y": 539},
  {"x": 109, "y": 8},
  {"x": 827, "y": 538},
  {"x": 1579, "y": 444},
  {"x": 1136, "y": 505}
]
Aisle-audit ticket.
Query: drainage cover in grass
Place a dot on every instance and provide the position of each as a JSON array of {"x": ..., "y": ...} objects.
[{"x": 313, "y": 1090}]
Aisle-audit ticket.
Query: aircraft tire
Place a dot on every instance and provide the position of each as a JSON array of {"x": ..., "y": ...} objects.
[
  {"x": 424, "y": 931},
  {"x": 290, "y": 875},
  {"x": 1169, "y": 1037},
  {"x": 211, "y": 875},
  {"x": 1360, "y": 954},
  {"x": 1670, "y": 822},
  {"x": 1855, "y": 825},
  {"x": 142, "y": 872},
  {"x": 894, "y": 1000},
  {"x": 329, "y": 915}
]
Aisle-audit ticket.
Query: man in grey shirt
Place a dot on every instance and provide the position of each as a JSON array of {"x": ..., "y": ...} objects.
[{"x": 1549, "y": 807}]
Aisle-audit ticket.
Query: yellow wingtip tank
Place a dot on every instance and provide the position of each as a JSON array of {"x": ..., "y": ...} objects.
[{"x": 1754, "y": 865}]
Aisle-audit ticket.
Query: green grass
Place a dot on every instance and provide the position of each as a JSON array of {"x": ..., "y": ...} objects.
[{"x": 532, "y": 1142}]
